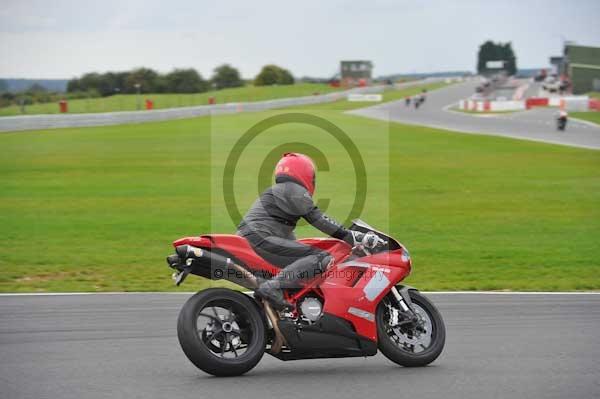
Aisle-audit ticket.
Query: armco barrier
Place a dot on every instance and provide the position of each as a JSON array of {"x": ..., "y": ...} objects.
[{"x": 34, "y": 122}]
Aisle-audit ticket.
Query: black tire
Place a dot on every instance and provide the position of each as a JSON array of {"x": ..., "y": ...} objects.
[
  {"x": 201, "y": 353},
  {"x": 388, "y": 346}
]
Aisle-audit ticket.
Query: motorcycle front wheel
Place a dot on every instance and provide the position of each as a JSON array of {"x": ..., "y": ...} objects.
[
  {"x": 406, "y": 340},
  {"x": 222, "y": 332}
]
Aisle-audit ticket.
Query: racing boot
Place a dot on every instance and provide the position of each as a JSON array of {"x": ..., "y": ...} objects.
[
  {"x": 303, "y": 269},
  {"x": 271, "y": 291}
]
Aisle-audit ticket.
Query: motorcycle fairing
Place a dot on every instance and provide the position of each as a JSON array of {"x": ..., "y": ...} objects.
[
  {"x": 358, "y": 302},
  {"x": 331, "y": 336}
]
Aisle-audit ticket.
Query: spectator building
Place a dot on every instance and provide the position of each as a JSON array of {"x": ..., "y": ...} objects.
[
  {"x": 581, "y": 65},
  {"x": 356, "y": 73}
]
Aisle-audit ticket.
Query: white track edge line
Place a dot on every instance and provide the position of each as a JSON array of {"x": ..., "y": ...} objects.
[
  {"x": 8, "y": 294},
  {"x": 584, "y": 122}
]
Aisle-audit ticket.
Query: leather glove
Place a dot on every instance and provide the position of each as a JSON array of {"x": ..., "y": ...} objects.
[
  {"x": 354, "y": 237},
  {"x": 371, "y": 240}
]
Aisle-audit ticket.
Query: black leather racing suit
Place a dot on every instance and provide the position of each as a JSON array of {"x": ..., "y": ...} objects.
[{"x": 269, "y": 227}]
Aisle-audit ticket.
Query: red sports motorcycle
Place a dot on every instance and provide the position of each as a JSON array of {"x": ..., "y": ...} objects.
[{"x": 352, "y": 309}]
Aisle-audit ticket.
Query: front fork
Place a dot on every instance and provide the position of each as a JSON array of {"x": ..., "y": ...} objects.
[{"x": 402, "y": 297}]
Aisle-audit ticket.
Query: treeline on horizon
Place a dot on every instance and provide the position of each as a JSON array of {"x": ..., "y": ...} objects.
[{"x": 146, "y": 80}]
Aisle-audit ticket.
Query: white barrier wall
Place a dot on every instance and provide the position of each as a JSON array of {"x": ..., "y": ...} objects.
[
  {"x": 491, "y": 106},
  {"x": 499, "y": 106},
  {"x": 554, "y": 101},
  {"x": 365, "y": 97},
  {"x": 570, "y": 103},
  {"x": 577, "y": 104}
]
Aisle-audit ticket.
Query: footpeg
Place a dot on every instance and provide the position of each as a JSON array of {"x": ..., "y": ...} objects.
[{"x": 179, "y": 277}]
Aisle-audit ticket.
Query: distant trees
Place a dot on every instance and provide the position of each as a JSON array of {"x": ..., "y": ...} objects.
[
  {"x": 490, "y": 51},
  {"x": 35, "y": 93},
  {"x": 285, "y": 77},
  {"x": 149, "y": 81},
  {"x": 185, "y": 81},
  {"x": 226, "y": 76},
  {"x": 145, "y": 77},
  {"x": 177, "y": 81},
  {"x": 91, "y": 81},
  {"x": 188, "y": 80},
  {"x": 73, "y": 85},
  {"x": 272, "y": 74},
  {"x": 111, "y": 83},
  {"x": 102, "y": 84},
  {"x": 37, "y": 88},
  {"x": 6, "y": 98}
]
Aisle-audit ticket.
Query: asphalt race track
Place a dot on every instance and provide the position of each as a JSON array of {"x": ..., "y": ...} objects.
[
  {"x": 537, "y": 124},
  {"x": 125, "y": 346}
]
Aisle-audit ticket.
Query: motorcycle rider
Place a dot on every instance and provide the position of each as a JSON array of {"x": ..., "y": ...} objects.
[
  {"x": 269, "y": 228},
  {"x": 417, "y": 101},
  {"x": 561, "y": 119}
]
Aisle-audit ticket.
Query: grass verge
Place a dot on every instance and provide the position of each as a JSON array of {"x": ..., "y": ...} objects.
[
  {"x": 95, "y": 209},
  {"x": 590, "y": 116}
]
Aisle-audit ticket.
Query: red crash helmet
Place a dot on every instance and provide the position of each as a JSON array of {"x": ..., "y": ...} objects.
[{"x": 299, "y": 167}]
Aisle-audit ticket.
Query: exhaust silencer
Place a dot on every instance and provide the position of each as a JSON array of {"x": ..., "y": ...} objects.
[{"x": 215, "y": 266}]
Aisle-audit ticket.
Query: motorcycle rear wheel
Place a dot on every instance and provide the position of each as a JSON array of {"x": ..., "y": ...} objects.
[
  {"x": 414, "y": 344},
  {"x": 222, "y": 332}
]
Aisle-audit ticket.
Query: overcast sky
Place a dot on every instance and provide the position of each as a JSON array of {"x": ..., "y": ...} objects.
[{"x": 62, "y": 39}]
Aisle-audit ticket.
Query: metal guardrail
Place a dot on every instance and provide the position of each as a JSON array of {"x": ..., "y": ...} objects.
[{"x": 37, "y": 122}]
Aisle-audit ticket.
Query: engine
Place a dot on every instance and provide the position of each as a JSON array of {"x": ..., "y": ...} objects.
[{"x": 311, "y": 309}]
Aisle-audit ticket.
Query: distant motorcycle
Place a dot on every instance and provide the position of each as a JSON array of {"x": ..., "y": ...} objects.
[{"x": 561, "y": 121}]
